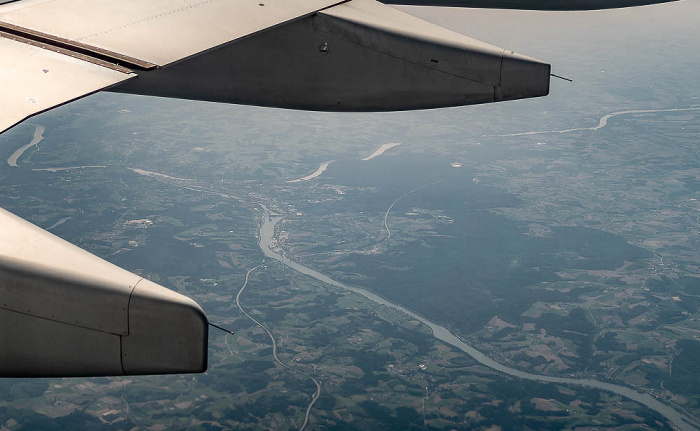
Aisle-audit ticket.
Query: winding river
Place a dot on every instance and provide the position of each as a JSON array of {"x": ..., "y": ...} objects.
[
  {"x": 603, "y": 121},
  {"x": 681, "y": 421}
]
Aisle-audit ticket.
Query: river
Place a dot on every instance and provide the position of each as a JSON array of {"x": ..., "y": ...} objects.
[
  {"x": 38, "y": 136},
  {"x": 384, "y": 148},
  {"x": 603, "y": 121},
  {"x": 68, "y": 168},
  {"x": 683, "y": 422},
  {"x": 321, "y": 169}
]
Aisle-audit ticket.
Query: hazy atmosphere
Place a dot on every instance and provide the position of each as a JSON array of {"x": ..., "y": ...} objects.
[{"x": 526, "y": 265}]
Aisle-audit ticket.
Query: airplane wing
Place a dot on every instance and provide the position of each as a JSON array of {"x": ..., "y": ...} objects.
[
  {"x": 57, "y": 301},
  {"x": 330, "y": 55}
]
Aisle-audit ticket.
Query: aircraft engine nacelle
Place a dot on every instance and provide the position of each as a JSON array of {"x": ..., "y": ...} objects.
[
  {"x": 356, "y": 56},
  {"x": 66, "y": 313}
]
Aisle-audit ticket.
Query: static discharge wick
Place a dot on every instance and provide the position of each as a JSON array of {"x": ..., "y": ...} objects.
[
  {"x": 219, "y": 327},
  {"x": 561, "y": 77}
]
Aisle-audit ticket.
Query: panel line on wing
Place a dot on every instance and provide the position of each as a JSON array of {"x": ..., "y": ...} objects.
[
  {"x": 152, "y": 18},
  {"x": 158, "y": 32},
  {"x": 64, "y": 51},
  {"x": 80, "y": 48}
]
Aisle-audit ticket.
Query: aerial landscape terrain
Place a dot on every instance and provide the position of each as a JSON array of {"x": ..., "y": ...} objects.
[{"x": 524, "y": 265}]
